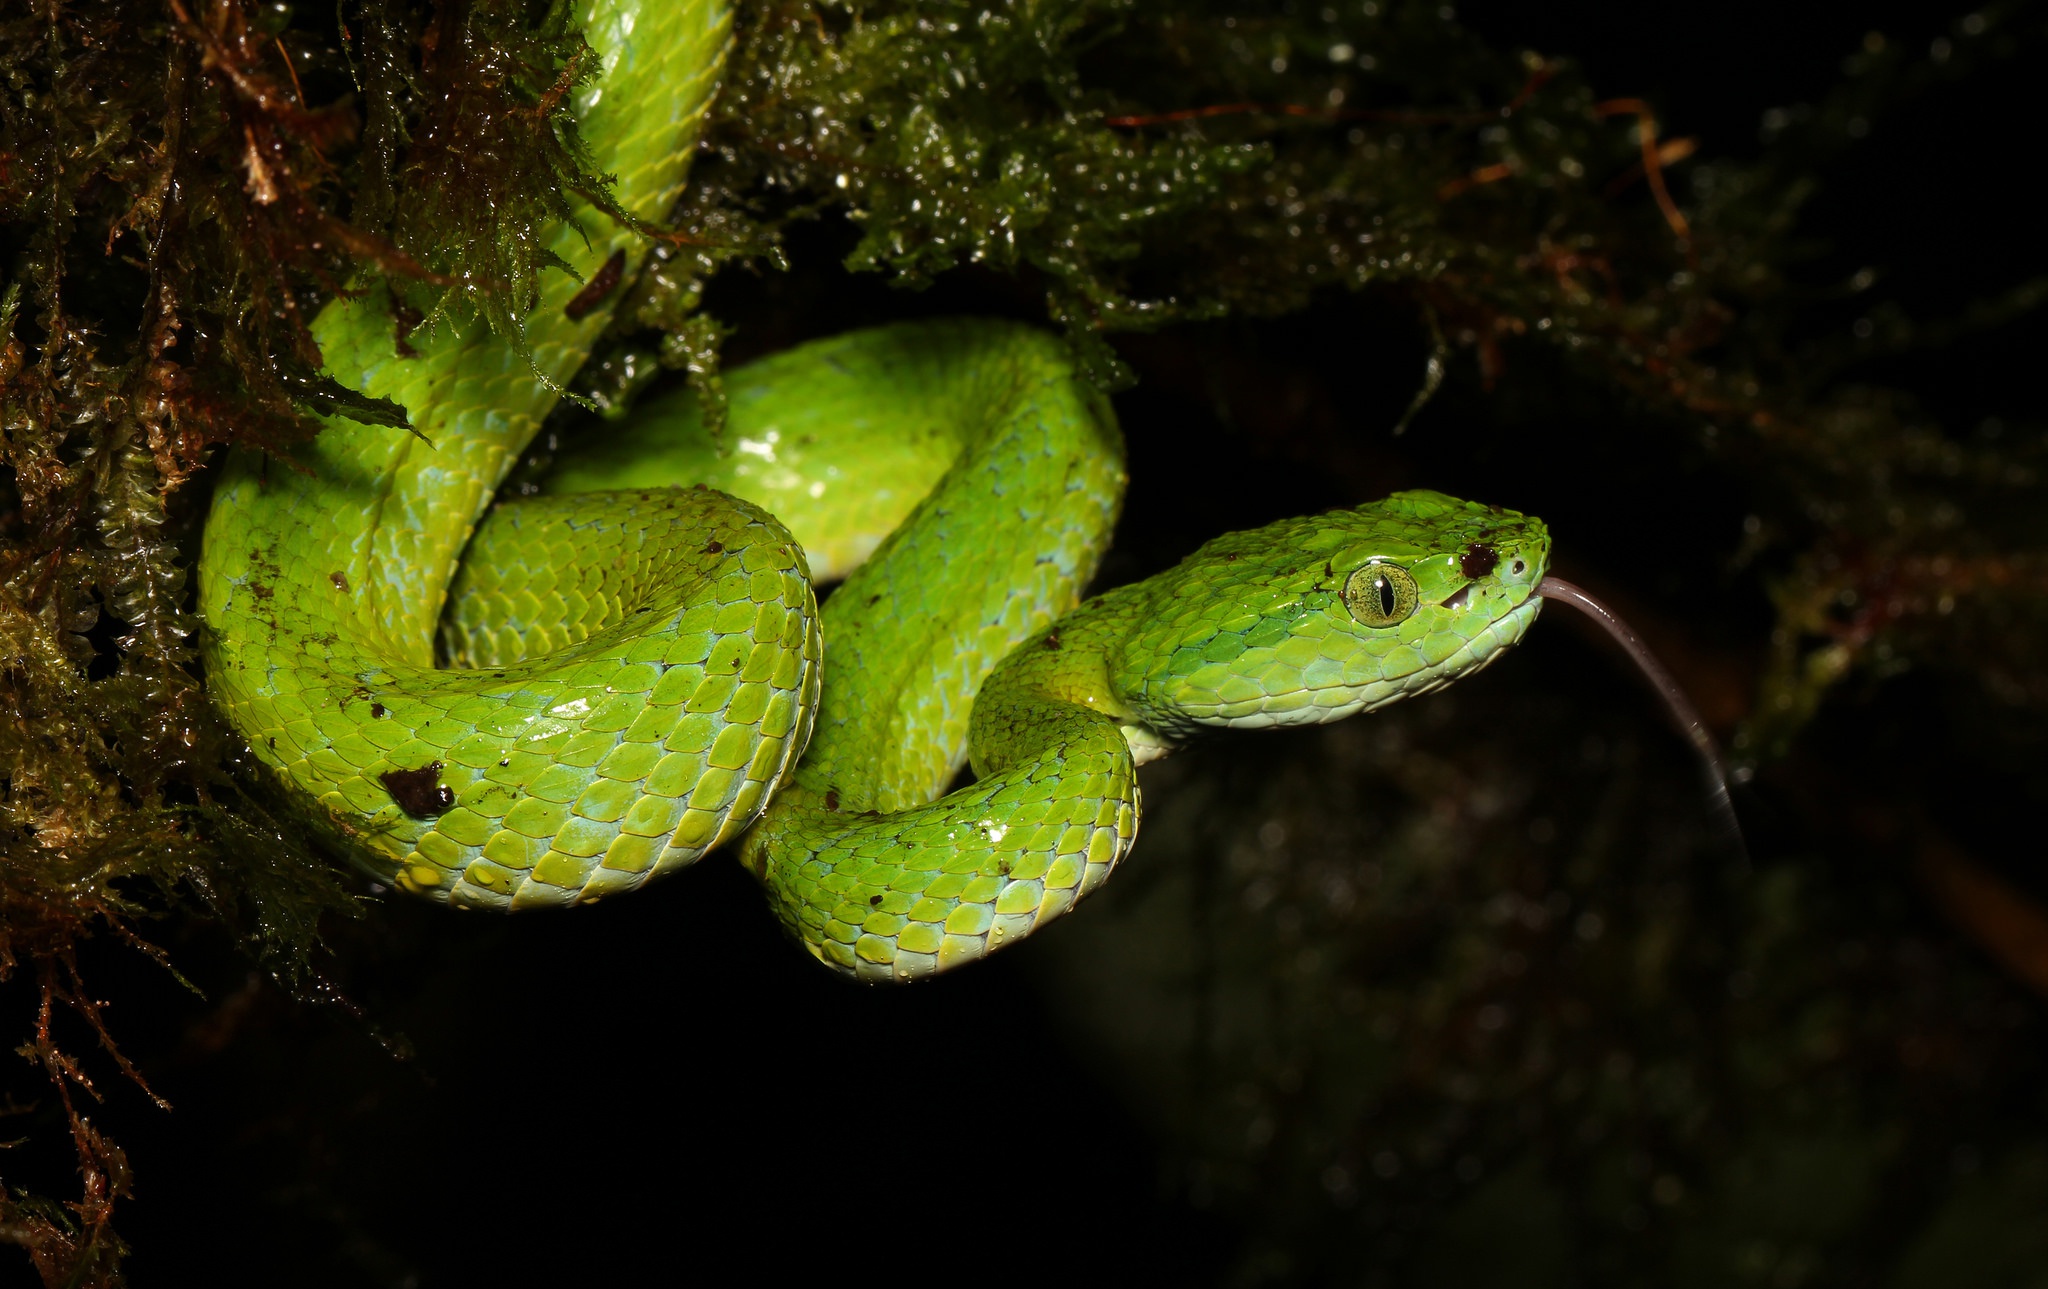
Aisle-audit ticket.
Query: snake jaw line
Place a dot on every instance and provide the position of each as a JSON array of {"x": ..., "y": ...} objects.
[{"x": 1245, "y": 633}]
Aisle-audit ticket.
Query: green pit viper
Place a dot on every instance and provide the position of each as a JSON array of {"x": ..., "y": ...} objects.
[{"x": 514, "y": 704}]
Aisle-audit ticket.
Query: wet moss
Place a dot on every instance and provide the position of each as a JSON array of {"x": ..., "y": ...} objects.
[{"x": 182, "y": 184}]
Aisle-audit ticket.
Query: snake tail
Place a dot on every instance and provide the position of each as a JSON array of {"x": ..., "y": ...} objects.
[{"x": 322, "y": 580}]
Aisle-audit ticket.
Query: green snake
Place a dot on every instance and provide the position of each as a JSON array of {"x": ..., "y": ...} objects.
[{"x": 514, "y": 703}]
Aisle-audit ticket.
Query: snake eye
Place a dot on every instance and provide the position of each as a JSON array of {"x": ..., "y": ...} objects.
[{"x": 1380, "y": 595}]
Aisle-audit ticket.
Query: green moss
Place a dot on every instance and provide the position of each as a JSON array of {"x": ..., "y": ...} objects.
[{"x": 177, "y": 196}]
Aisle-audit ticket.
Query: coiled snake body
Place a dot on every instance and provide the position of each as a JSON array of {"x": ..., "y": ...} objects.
[{"x": 637, "y": 667}]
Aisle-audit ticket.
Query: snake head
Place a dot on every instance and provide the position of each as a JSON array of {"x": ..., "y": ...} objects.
[{"x": 1313, "y": 619}]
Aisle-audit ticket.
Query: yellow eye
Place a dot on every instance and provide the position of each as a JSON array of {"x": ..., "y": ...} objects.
[{"x": 1380, "y": 595}]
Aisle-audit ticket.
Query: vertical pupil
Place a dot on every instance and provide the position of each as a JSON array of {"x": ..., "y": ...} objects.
[{"x": 1386, "y": 590}]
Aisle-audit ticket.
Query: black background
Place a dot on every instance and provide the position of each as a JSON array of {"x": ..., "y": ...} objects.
[{"x": 662, "y": 1088}]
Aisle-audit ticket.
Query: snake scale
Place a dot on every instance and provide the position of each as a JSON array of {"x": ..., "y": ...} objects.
[{"x": 551, "y": 700}]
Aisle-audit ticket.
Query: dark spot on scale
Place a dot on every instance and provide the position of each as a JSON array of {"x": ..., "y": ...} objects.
[
  {"x": 1052, "y": 639},
  {"x": 272, "y": 742},
  {"x": 377, "y": 711},
  {"x": 713, "y": 547},
  {"x": 420, "y": 793},
  {"x": 874, "y": 900},
  {"x": 831, "y": 798},
  {"x": 260, "y": 591},
  {"x": 1230, "y": 557},
  {"x": 340, "y": 582},
  {"x": 1003, "y": 866},
  {"x": 1327, "y": 570},
  {"x": 1478, "y": 560},
  {"x": 602, "y": 283},
  {"x": 403, "y": 320},
  {"x": 874, "y": 600},
  {"x": 497, "y": 675}
]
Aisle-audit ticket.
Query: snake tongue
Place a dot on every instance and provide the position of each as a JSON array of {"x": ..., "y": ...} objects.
[{"x": 1676, "y": 703}]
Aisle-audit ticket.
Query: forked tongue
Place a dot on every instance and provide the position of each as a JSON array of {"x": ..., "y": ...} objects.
[{"x": 1683, "y": 713}]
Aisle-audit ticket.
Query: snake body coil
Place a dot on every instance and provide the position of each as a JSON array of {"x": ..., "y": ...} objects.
[{"x": 637, "y": 660}]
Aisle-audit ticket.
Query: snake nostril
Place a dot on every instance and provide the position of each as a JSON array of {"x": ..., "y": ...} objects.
[{"x": 1519, "y": 567}]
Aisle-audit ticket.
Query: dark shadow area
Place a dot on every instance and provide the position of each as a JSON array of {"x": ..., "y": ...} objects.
[{"x": 1464, "y": 994}]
